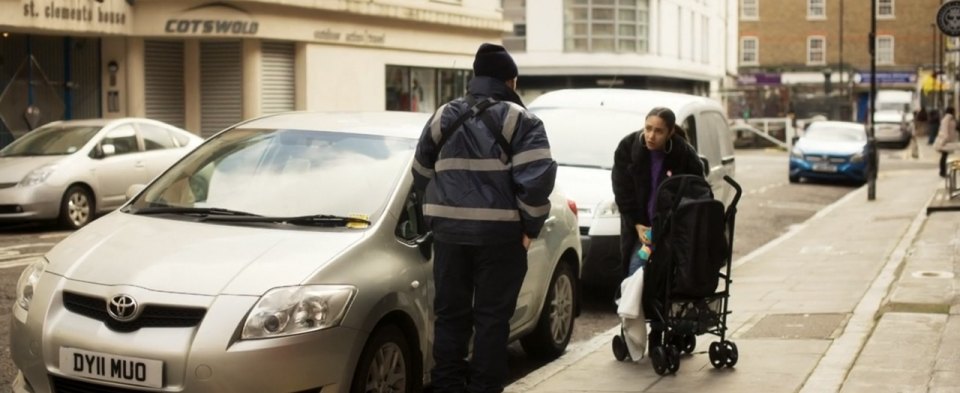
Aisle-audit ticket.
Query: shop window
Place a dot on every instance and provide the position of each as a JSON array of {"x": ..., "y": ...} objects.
[{"x": 416, "y": 89}]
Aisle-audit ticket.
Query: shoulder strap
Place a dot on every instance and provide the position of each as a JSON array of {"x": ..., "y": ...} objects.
[
  {"x": 497, "y": 135},
  {"x": 475, "y": 109}
]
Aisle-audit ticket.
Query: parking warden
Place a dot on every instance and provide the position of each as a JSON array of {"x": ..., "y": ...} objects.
[{"x": 484, "y": 167}]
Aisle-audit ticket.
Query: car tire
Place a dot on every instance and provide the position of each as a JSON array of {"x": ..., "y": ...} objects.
[
  {"x": 550, "y": 337},
  {"x": 794, "y": 179},
  {"x": 386, "y": 364},
  {"x": 77, "y": 208}
]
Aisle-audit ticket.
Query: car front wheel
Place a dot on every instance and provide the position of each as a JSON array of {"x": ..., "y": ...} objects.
[
  {"x": 555, "y": 326},
  {"x": 386, "y": 364},
  {"x": 77, "y": 207}
]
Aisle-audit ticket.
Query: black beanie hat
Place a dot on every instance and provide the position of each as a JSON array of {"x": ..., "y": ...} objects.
[{"x": 494, "y": 61}]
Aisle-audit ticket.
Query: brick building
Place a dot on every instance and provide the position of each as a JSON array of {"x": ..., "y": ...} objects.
[{"x": 812, "y": 57}]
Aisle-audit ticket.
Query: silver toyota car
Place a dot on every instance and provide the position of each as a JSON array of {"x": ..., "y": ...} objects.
[
  {"x": 72, "y": 170},
  {"x": 286, "y": 254}
]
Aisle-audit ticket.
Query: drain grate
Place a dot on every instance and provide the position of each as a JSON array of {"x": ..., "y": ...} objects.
[{"x": 812, "y": 326}]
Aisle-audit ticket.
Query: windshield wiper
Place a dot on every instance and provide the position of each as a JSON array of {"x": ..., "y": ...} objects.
[
  {"x": 321, "y": 220},
  {"x": 200, "y": 211}
]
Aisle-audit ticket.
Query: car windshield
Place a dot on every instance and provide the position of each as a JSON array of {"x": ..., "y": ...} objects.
[
  {"x": 854, "y": 133},
  {"x": 587, "y": 137},
  {"x": 52, "y": 140},
  {"x": 283, "y": 173}
]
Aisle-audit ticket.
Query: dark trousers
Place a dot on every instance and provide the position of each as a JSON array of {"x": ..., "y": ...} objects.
[
  {"x": 943, "y": 164},
  {"x": 476, "y": 292}
]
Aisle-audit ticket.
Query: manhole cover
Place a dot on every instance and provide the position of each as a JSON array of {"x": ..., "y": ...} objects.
[{"x": 816, "y": 326}]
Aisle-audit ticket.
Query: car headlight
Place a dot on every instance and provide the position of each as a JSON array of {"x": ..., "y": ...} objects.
[
  {"x": 608, "y": 209},
  {"x": 796, "y": 153},
  {"x": 858, "y": 157},
  {"x": 28, "y": 283},
  {"x": 37, "y": 176},
  {"x": 294, "y": 310}
]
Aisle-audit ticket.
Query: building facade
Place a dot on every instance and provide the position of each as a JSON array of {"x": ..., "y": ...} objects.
[
  {"x": 812, "y": 56},
  {"x": 204, "y": 65},
  {"x": 676, "y": 45}
]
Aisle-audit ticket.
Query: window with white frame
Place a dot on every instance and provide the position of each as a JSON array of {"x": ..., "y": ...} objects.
[
  {"x": 885, "y": 50},
  {"x": 885, "y": 8},
  {"x": 816, "y": 50},
  {"x": 749, "y": 51},
  {"x": 817, "y": 9},
  {"x": 620, "y": 26},
  {"x": 749, "y": 9}
]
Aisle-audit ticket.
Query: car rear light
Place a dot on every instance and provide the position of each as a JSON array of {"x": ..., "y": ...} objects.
[{"x": 573, "y": 207}]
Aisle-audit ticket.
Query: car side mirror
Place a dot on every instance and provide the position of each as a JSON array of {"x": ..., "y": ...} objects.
[
  {"x": 793, "y": 141},
  {"x": 706, "y": 165},
  {"x": 108, "y": 150},
  {"x": 425, "y": 245},
  {"x": 133, "y": 190}
]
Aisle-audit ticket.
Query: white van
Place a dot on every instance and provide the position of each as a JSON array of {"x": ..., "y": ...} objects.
[
  {"x": 585, "y": 126},
  {"x": 895, "y": 100}
]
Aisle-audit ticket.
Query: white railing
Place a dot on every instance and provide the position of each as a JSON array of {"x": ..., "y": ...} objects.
[{"x": 778, "y": 130}]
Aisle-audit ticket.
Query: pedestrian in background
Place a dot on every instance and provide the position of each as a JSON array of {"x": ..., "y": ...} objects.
[
  {"x": 642, "y": 161},
  {"x": 484, "y": 164},
  {"x": 946, "y": 135},
  {"x": 919, "y": 131},
  {"x": 933, "y": 125}
]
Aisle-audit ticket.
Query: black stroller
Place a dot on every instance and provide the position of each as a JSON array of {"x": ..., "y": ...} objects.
[{"x": 693, "y": 255}]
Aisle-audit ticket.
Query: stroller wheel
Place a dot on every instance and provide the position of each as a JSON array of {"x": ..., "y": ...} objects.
[
  {"x": 658, "y": 356},
  {"x": 673, "y": 358},
  {"x": 730, "y": 353},
  {"x": 686, "y": 343},
  {"x": 717, "y": 358},
  {"x": 620, "y": 350}
]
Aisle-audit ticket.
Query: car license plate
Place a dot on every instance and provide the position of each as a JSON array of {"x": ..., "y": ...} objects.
[
  {"x": 114, "y": 368},
  {"x": 824, "y": 167}
]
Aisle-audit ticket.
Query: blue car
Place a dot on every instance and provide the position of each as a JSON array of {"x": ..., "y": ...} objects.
[{"x": 830, "y": 150}]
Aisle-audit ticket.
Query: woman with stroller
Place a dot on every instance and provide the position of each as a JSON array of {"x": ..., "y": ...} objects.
[{"x": 642, "y": 161}]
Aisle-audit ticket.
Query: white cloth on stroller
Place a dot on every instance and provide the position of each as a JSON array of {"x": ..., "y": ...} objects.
[{"x": 633, "y": 323}]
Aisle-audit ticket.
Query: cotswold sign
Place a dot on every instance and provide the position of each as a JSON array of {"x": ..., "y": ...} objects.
[
  {"x": 213, "y": 19},
  {"x": 211, "y": 26},
  {"x": 73, "y": 11}
]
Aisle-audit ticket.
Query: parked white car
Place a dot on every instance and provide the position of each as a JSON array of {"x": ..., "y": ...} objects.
[
  {"x": 585, "y": 126},
  {"x": 73, "y": 170},
  {"x": 285, "y": 254}
]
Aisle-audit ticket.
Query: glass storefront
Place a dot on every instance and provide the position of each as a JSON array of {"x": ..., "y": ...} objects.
[{"x": 416, "y": 89}]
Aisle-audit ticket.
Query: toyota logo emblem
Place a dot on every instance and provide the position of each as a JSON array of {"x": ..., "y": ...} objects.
[{"x": 123, "y": 308}]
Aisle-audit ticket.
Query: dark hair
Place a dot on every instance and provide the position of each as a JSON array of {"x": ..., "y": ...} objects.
[
  {"x": 950, "y": 110},
  {"x": 670, "y": 118}
]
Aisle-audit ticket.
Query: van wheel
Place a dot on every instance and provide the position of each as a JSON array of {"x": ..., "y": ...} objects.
[
  {"x": 386, "y": 364},
  {"x": 77, "y": 207},
  {"x": 555, "y": 326}
]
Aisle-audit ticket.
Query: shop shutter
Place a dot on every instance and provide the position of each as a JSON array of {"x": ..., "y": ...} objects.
[
  {"x": 163, "y": 77},
  {"x": 278, "y": 88},
  {"x": 221, "y": 90}
]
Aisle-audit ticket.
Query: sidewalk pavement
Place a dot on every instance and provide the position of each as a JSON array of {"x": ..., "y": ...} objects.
[{"x": 862, "y": 297}]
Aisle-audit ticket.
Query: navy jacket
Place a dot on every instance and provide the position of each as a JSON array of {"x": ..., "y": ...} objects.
[{"x": 474, "y": 192}]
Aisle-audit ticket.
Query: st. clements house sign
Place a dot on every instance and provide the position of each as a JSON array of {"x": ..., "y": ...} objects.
[
  {"x": 199, "y": 23},
  {"x": 93, "y": 12}
]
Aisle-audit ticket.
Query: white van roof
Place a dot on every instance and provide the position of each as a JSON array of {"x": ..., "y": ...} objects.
[
  {"x": 630, "y": 100},
  {"x": 903, "y": 96}
]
